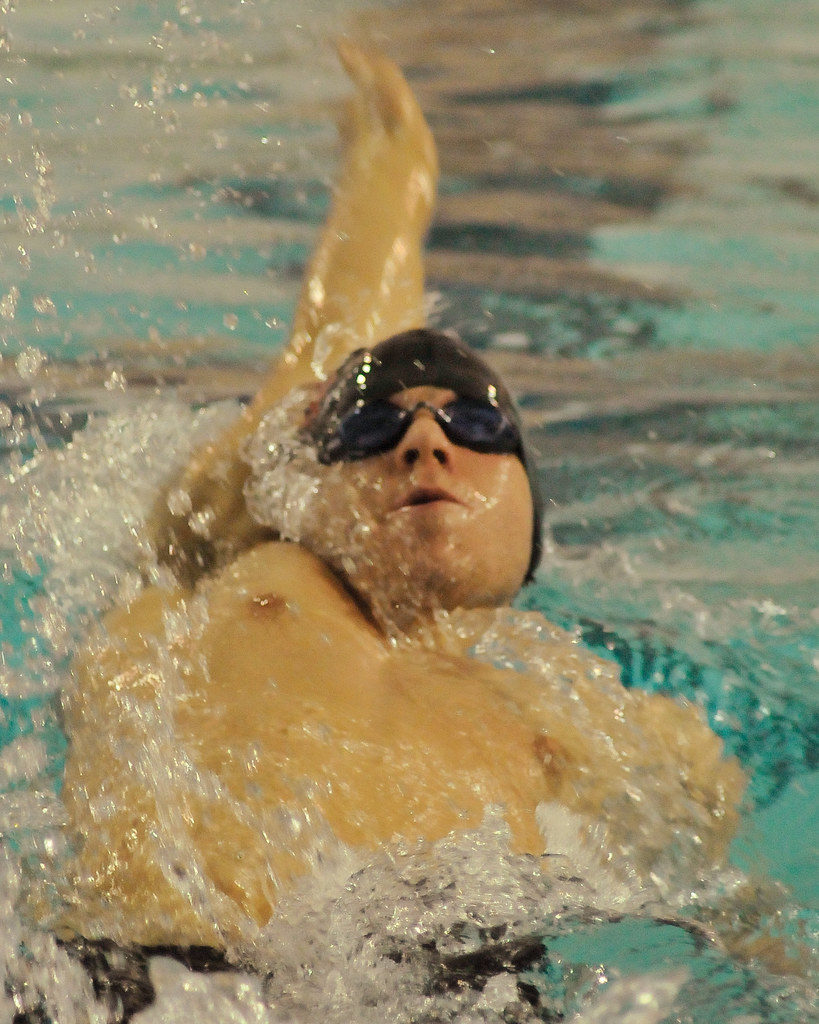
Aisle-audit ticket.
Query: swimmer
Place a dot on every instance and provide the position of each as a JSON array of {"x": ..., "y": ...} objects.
[{"x": 312, "y": 678}]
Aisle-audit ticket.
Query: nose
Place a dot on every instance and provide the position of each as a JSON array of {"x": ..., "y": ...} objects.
[{"x": 423, "y": 440}]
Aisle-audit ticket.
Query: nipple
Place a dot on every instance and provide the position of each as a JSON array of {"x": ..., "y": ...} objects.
[{"x": 267, "y": 606}]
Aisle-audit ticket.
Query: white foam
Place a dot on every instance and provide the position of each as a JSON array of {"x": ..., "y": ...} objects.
[
  {"x": 80, "y": 512},
  {"x": 359, "y": 940},
  {"x": 184, "y": 996},
  {"x": 645, "y": 999}
]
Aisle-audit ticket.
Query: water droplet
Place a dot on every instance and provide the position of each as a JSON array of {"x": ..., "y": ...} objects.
[
  {"x": 43, "y": 305},
  {"x": 8, "y": 303},
  {"x": 179, "y": 502},
  {"x": 29, "y": 362},
  {"x": 116, "y": 381},
  {"x": 201, "y": 522}
]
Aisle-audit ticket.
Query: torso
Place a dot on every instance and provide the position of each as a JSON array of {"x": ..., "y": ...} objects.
[{"x": 288, "y": 719}]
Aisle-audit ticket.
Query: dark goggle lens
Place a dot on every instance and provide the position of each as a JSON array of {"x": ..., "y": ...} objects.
[
  {"x": 370, "y": 429},
  {"x": 379, "y": 426},
  {"x": 480, "y": 426}
]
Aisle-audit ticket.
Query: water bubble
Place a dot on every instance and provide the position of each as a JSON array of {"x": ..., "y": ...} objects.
[
  {"x": 29, "y": 362},
  {"x": 8, "y": 303},
  {"x": 115, "y": 381},
  {"x": 179, "y": 502},
  {"x": 44, "y": 305},
  {"x": 201, "y": 523}
]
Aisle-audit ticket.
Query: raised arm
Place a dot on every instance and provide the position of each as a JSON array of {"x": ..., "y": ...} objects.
[{"x": 364, "y": 282}]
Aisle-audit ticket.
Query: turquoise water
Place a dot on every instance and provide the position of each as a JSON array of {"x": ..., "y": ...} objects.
[{"x": 628, "y": 223}]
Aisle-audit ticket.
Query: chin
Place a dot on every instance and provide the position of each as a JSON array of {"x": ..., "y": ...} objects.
[
  {"x": 401, "y": 591},
  {"x": 454, "y": 577},
  {"x": 410, "y": 569},
  {"x": 466, "y": 594}
]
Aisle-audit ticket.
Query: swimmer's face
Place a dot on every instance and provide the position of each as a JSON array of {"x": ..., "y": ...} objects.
[{"x": 434, "y": 523}]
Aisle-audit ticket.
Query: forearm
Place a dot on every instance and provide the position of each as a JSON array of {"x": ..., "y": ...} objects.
[{"x": 364, "y": 282}]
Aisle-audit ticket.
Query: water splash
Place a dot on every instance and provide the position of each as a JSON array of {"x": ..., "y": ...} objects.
[{"x": 404, "y": 933}]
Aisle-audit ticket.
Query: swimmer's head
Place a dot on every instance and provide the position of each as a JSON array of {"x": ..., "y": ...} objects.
[{"x": 359, "y": 417}]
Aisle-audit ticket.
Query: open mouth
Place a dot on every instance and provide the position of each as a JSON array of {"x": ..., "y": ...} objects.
[{"x": 427, "y": 496}]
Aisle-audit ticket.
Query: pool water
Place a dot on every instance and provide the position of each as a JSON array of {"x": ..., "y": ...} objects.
[{"x": 627, "y": 226}]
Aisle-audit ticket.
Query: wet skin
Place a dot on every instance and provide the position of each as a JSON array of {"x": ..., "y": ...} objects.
[{"x": 290, "y": 706}]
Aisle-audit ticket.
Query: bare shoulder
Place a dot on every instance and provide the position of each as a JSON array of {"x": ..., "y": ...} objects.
[
  {"x": 279, "y": 563},
  {"x": 278, "y": 613},
  {"x": 261, "y": 582},
  {"x": 258, "y": 582},
  {"x": 132, "y": 625},
  {"x": 275, "y": 609}
]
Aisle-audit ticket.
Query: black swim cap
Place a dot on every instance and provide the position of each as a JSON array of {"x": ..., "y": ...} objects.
[{"x": 411, "y": 359}]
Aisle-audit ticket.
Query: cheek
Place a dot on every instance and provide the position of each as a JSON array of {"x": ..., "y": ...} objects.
[
  {"x": 352, "y": 499},
  {"x": 506, "y": 491},
  {"x": 508, "y": 518},
  {"x": 519, "y": 511}
]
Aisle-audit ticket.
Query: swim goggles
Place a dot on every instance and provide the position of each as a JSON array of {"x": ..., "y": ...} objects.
[{"x": 375, "y": 427}]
